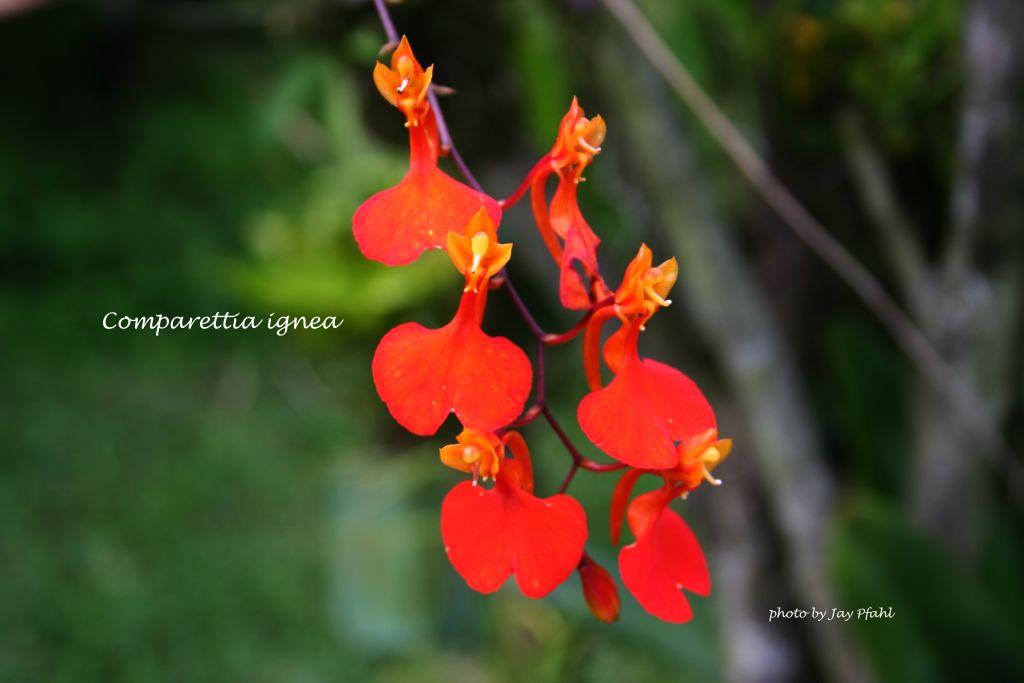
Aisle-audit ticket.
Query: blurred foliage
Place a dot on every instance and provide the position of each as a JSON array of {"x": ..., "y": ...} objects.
[
  {"x": 949, "y": 624},
  {"x": 237, "y": 506}
]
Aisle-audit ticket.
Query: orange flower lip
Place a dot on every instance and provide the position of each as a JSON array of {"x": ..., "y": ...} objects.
[
  {"x": 698, "y": 456},
  {"x": 477, "y": 451},
  {"x": 424, "y": 374},
  {"x": 579, "y": 141},
  {"x": 645, "y": 286},
  {"x": 406, "y": 84},
  {"x": 476, "y": 253}
]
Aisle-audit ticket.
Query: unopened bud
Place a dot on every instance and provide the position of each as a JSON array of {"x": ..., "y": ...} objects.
[{"x": 600, "y": 590}]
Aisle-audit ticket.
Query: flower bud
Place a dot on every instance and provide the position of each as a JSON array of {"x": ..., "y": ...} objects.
[{"x": 599, "y": 589}]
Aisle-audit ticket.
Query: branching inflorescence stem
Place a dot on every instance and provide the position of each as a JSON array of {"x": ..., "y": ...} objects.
[{"x": 540, "y": 406}]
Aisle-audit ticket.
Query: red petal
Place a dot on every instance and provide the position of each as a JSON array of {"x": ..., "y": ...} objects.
[
  {"x": 489, "y": 534},
  {"x": 638, "y": 416},
  {"x": 645, "y": 509},
  {"x": 423, "y": 374},
  {"x": 396, "y": 225},
  {"x": 580, "y": 245},
  {"x": 520, "y": 466},
  {"x": 661, "y": 563}
]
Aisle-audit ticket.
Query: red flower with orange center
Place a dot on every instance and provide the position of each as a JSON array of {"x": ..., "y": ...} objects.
[
  {"x": 490, "y": 534},
  {"x": 650, "y": 416},
  {"x": 649, "y": 406},
  {"x": 424, "y": 374},
  {"x": 396, "y": 225},
  {"x": 566, "y": 233}
]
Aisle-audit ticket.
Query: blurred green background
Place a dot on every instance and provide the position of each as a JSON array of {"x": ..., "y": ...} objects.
[{"x": 236, "y": 506}]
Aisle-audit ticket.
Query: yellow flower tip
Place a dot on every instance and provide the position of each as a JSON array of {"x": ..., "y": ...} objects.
[{"x": 480, "y": 244}]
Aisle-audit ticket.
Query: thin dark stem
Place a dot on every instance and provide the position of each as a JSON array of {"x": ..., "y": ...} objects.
[
  {"x": 524, "y": 312},
  {"x": 563, "y": 437},
  {"x": 385, "y": 21},
  {"x": 541, "y": 388},
  {"x": 528, "y": 416},
  {"x": 448, "y": 144},
  {"x": 569, "y": 476},
  {"x": 525, "y": 185},
  {"x": 574, "y": 331}
]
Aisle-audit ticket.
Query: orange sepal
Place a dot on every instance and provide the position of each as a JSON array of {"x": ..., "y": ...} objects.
[
  {"x": 476, "y": 252},
  {"x": 405, "y": 84}
]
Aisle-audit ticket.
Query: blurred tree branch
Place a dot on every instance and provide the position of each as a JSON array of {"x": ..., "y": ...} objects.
[
  {"x": 895, "y": 231},
  {"x": 912, "y": 340},
  {"x": 976, "y": 310}
]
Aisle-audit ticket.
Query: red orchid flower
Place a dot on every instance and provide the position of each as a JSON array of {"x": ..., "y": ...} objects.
[
  {"x": 650, "y": 417},
  {"x": 396, "y": 225},
  {"x": 424, "y": 374},
  {"x": 490, "y": 534},
  {"x": 648, "y": 406},
  {"x": 566, "y": 234},
  {"x": 664, "y": 560}
]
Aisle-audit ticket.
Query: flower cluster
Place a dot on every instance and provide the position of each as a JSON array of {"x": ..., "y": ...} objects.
[{"x": 650, "y": 417}]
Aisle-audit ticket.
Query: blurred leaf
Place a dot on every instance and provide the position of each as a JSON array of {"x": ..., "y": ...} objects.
[
  {"x": 541, "y": 62},
  {"x": 947, "y": 625},
  {"x": 868, "y": 407},
  {"x": 382, "y": 596}
]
